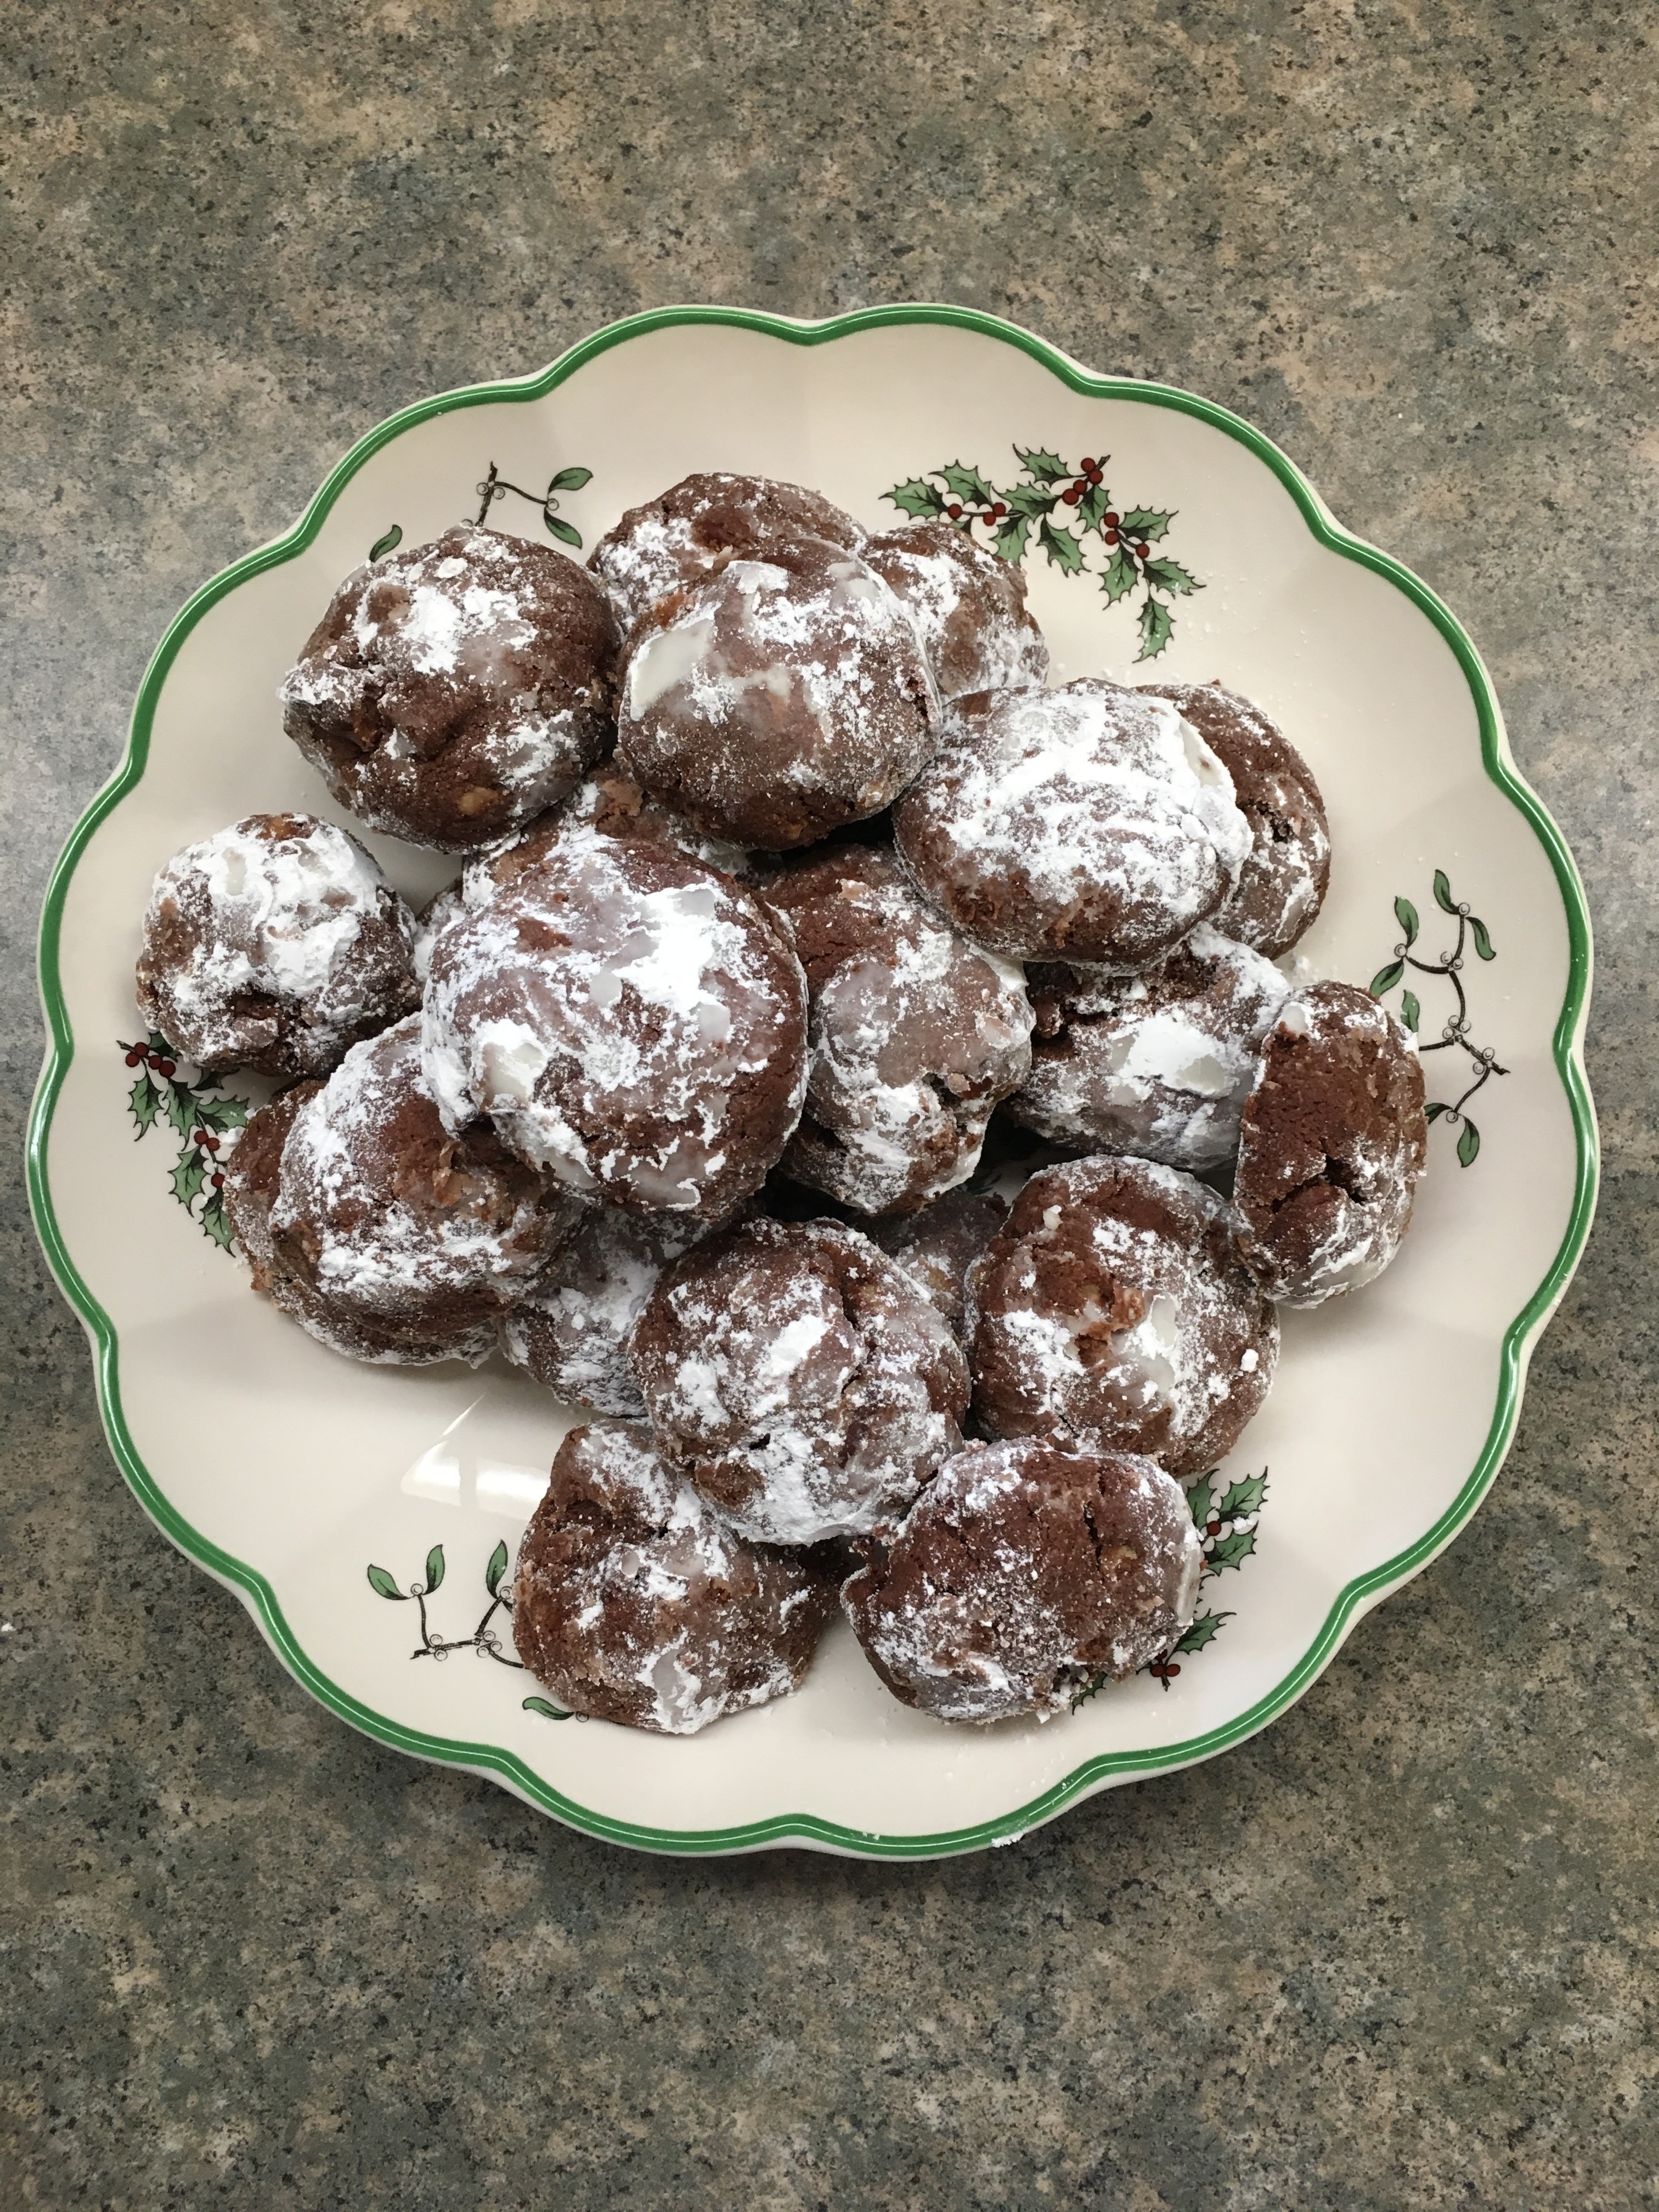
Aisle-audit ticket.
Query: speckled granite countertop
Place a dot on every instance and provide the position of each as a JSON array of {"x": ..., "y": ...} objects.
[{"x": 1396, "y": 1951}]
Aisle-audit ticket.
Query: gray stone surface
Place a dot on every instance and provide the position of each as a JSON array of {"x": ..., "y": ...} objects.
[{"x": 1397, "y": 1952}]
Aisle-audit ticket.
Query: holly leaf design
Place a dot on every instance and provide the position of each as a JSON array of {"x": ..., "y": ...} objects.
[
  {"x": 389, "y": 543},
  {"x": 570, "y": 480},
  {"x": 1483, "y": 944},
  {"x": 222, "y": 1114},
  {"x": 1092, "y": 505},
  {"x": 561, "y": 529},
  {"x": 380, "y": 1582},
  {"x": 496, "y": 1570},
  {"x": 1204, "y": 1630},
  {"x": 1061, "y": 547},
  {"x": 1233, "y": 1551},
  {"x": 178, "y": 1103},
  {"x": 919, "y": 499},
  {"x": 1442, "y": 897},
  {"x": 144, "y": 1103},
  {"x": 1243, "y": 1497},
  {"x": 1198, "y": 1497},
  {"x": 216, "y": 1222},
  {"x": 1144, "y": 522},
  {"x": 1047, "y": 468},
  {"x": 1405, "y": 914},
  {"x": 1386, "y": 978},
  {"x": 1411, "y": 1011},
  {"x": 1169, "y": 576},
  {"x": 189, "y": 1177},
  {"x": 435, "y": 1568},
  {"x": 1011, "y": 533},
  {"x": 548, "y": 1712},
  {"x": 1432, "y": 1113},
  {"x": 1469, "y": 1144},
  {"x": 1155, "y": 624},
  {"x": 1119, "y": 577},
  {"x": 968, "y": 485},
  {"x": 1031, "y": 499}
]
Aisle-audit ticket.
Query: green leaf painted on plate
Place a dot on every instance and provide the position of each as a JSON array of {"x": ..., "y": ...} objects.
[
  {"x": 562, "y": 530},
  {"x": 389, "y": 543},
  {"x": 1243, "y": 1497},
  {"x": 216, "y": 1222},
  {"x": 918, "y": 498},
  {"x": 1144, "y": 522},
  {"x": 1411, "y": 1010},
  {"x": 1432, "y": 1113},
  {"x": 178, "y": 1104},
  {"x": 968, "y": 485},
  {"x": 158, "y": 1045},
  {"x": 1031, "y": 501},
  {"x": 189, "y": 1177},
  {"x": 1468, "y": 1143},
  {"x": 496, "y": 1570},
  {"x": 1063, "y": 551},
  {"x": 144, "y": 1103},
  {"x": 1047, "y": 468},
  {"x": 1233, "y": 1551},
  {"x": 1155, "y": 624},
  {"x": 1199, "y": 1496},
  {"x": 378, "y": 1580},
  {"x": 1092, "y": 505},
  {"x": 222, "y": 1114},
  {"x": 435, "y": 1568},
  {"x": 1405, "y": 914},
  {"x": 1483, "y": 944},
  {"x": 1386, "y": 978},
  {"x": 1169, "y": 576},
  {"x": 1011, "y": 533},
  {"x": 1203, "y": 1631},
  {"x": 570, "y": 480},
  {"x": 1119, "y": 577},
  {"x": 1442, "y": 897},
  {"x": 548, "y": 1712}
]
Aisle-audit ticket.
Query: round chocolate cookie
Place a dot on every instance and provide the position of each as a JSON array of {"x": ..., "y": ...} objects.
[
  {"x": 252, "y": 1171},
  {"x": 778, "y": 699},
  {"x": 938, "y": 1245},
  {"x": 913, "y": 1035},
  {"x": 607, "y": 804},
  {"x": 631, "y": 1023},
  {"x": 1025, "y": 1574},
  {"x": 1090, "y": 823},
  {"x": 1332, "y": 1142},
  {"x": 572, "y": 1333},
  {"x": 1282, "y": 884},
  {"x": 388, "y": 1238},
  {"x": 699, "y": 526},
  {"x": 968, "y": 605},
  {"x": 801, "y": 1377},
  {"x": 1112, "y": 1304},
  {"x": 453, "y": 690},
  {"x": 1158, "y": 1064},
  {"x": 635, "y": 1601},
  {"x": 275, "y": 946}
]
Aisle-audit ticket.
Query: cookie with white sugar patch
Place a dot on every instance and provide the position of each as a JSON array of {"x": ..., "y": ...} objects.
[{"x": 968, "y": 604}]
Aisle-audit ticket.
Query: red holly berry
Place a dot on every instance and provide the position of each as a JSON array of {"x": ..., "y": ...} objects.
[
  {"x": 1141, "y": 549},
  {"x": 167, "y": 1067},
  {"x": 999, "y": 511},
  {"x": 1071, "y": 494},
  {"x": 1212, "y": 1526},
  {"x": 133, "y": 1058},
  {"x": 1169, "y": 1673},
  {"x": 1111, "y": 537},
  {"x": 954, "y": 511},
  {"x": 1087, "y": 464},
  {"x": 1110, "y": 520},
  {"x": 1095, "y": 476},
  {"x": 212, "y": 1143},
  {"x": 218, "y": 1183}
]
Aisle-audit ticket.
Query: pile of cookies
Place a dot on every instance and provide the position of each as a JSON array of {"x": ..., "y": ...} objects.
[{"x": 788, "y": 883}]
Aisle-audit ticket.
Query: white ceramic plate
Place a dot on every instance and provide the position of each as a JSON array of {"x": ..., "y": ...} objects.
[{"x": 287, "y": 1473}]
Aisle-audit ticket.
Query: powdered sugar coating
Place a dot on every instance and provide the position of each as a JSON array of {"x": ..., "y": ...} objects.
[
  {"x": 401, "y": 1241},
  {"x": 1025, "y": 1572},
  {"x": 697, "y": 526},
  {"x": 453, "y": 690},
  {"x": 940, "y": 1243},
  {"x": 801, "y": 1378},
  {"x": 1282, "y": 885},
  {"x": 635, "y": 1601},
  {"x": 1113, "y": 1304},
  {"x": 1090, "y": 823},
  {"x": 1158, "y": 1064},
  {"x": 1333, "y": 1142},
  {"x": 778, "y": 699},
  {"x": 969, "y": 607},
  {"x": 629, "y": 1021},
  {"x": 914, "y": 1035},
  {"x": 274, "y": 945}
]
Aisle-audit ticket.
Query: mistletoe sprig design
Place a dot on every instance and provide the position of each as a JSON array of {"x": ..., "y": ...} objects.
[
  {"x": 202, "y": 1121},
  {"x": 1067, "y": 508},
  {"x": 1226, "y": 1522},
  {"x": 485, "y": 1640},
  {"x": 1455, "y": 1031},
  {"x": 496, "y": 486}
]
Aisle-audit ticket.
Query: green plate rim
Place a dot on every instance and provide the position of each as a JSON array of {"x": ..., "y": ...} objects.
[{"x": 798, "y": 1827}]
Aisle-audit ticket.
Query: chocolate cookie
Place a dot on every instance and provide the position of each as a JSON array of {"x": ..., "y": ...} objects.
[
  {"x": 778, "y": 698},
  {"x": 275, "y": 944},
  {"x": 630, "y": 1022},
  {"x": 1282, "y": 884},
  {"x": 609, "y": 803},
  {"x": 1158, "y": 1064},
  {"x": 913, "y": 1035},
  {"x": 699, "y": 526},
  {"x": 252, "y": 1171},
  {"x": 1333, "y": 1142},
  {"x": 1112, "y": 1304},
  {"x": 800, "y": 1377},
  {"x": 1025, "y": 1573},
  {"x": 453, "y": 690},
  {"x": 388, "y": 1238},
  {"x": 1090, "y": 823},
  {"x": 968, "y": 605},
  {"x": 633, "y": 1601},
  {"x": 941, "y": 1242}
]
